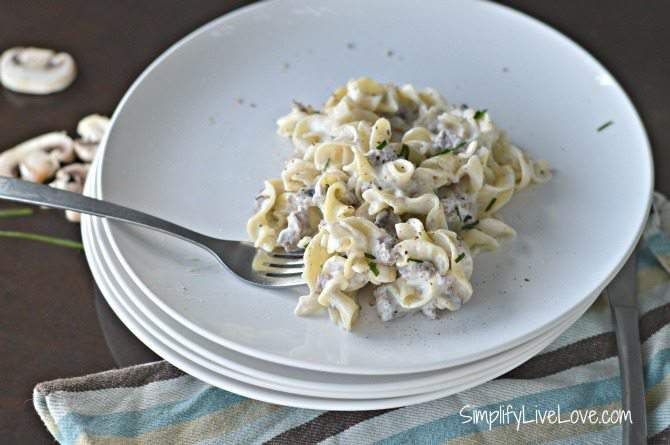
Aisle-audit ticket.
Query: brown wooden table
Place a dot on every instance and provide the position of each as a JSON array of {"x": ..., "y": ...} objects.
[{"x": 51, "y": 322}]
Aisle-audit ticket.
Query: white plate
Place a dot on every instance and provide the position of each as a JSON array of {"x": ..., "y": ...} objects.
[
  {"x": 281, "y": 398},
  {"x": 181, "y": 147},
  {"x": 275, "y": 393},
  {"x": 211, "y": 373},
  {"x": 295, "y": 380},
  {"x": 278, "y": 377}
]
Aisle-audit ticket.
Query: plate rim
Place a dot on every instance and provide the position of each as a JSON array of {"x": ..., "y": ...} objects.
[
  {"x": 351, "y": 369},
  {"x": 159, "y": 331},
  {"x": 291, "y": 399}
]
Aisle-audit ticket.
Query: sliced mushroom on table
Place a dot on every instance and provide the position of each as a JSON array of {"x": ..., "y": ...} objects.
[
  {"x": 52, "y": 156},
  {"x": 85, "y": 150},
  {"x": 93, "y": 127},
  {"x": 36, "y": 70},
  {"x": 38, "y": 166},
  {"x": 91, "y": 130},
  {"x": 37, "y": 159},
  {"x": 71, "y": 178}
]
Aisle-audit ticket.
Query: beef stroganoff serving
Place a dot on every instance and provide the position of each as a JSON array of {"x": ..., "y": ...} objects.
[{"x": 392, "y": 187}]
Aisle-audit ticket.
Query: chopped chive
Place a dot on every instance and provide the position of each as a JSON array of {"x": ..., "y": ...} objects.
[
  {"x": 404, "y": 152},
  {"x": 443, "y": 152},
  {"x": 460, "y": 257},
  {"x": 605, "y": 125},
  {"x": 415, "y": 260},
  {"x": 450, "y": 149},
  {"x": 11, "y": 213},
  {"x": 381, "y": 145},
  {"x": 458, "y": 212},
  {"x": 373, "y": 267},
  {"x": 327, "y": 164},
  {"x": 372, "y": 257},
  {"x": 467, "y": 217},
  {"x": 470, "y": 225},
  {"x": 488, "y": 207},
  {"x": 479, "y": 114},
  {"x": 42, "y": 238}
]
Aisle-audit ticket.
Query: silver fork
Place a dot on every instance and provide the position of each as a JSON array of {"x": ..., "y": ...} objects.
[
  {"x": 280, "y": 269},
  {"x": 622, "y": 296}
]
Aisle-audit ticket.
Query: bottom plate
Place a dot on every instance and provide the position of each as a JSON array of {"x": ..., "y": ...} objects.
[
  {"x": 281, "y": 377},
  {"x": 207, "y": 374},
  {"x": 244, "y": 384}
]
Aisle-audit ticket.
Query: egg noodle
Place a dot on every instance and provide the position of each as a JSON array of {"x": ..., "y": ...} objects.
[{"x": 392, "y": 187}]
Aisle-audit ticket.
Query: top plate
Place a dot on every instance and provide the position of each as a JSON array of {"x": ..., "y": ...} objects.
[{"x": 194, "y": 138}]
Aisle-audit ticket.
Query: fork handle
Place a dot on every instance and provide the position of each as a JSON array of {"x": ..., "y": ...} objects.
[
  {"x": 626, "y": 319},
  {"x": 23, "y": 191}
]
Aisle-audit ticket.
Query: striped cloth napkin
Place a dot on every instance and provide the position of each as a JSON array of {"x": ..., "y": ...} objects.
[{"x": 578, "y": 374}]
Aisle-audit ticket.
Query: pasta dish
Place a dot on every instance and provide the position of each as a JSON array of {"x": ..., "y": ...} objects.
[{"x": 390, "y": 186}]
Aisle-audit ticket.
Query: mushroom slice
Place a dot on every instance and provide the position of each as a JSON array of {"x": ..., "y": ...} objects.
[
  {"x": 64, "y": 152},
  {"x": 92, "y": 129},
  {"x": 36, "y": 70},
  {"x": 85, "y": 150},
  {"x": 58, "y": 145},
  {"x": 38, "y": 166},
  {"x": 71, "y": 178}
]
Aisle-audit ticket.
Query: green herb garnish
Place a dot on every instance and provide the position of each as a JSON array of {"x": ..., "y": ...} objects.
[
  {"x": 605, "y": 125},
  {"x": 460, "y": 257},
  {"x": 372, "y": 257},
  {"x": 42, "y": 238},
  {"x": 443, "y": 152},
  {"x": 325, "y": 167},
  {"x": 467, "y": 217},
  {"x": 470, "y": 225},
  {"x": 479, "y": 114},
  {"x": 404, "y": 152},
  {"x": 11, "y": 213},
  {"x": 450, "y": 149},
  {"x": 373, "y": 268},
  {"x": 488, "y": 207},
  {"x": 381, "y": 145},
  {"x": 458, "y": 212},
  {"x": 415, "y": 260}
]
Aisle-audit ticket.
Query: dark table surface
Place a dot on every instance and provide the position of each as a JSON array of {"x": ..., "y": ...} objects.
[{"x": 53, "y": 324}]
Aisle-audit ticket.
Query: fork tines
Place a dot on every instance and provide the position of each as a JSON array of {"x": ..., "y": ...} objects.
[
  {"x": 280, "y": 263},
  {"x": 285, "y": 254}
]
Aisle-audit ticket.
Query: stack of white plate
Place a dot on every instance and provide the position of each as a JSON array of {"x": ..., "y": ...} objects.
[{"x": 194, "y": 138}]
